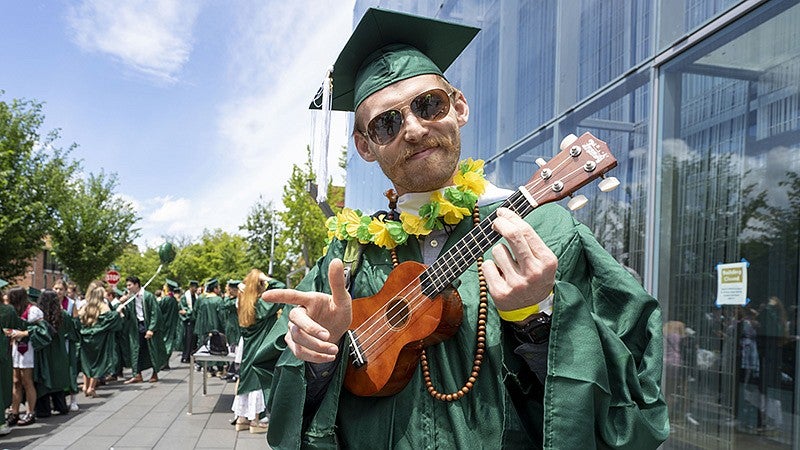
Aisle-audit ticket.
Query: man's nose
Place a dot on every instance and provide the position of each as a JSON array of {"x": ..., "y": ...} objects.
[{"x": 414, "y": 128}]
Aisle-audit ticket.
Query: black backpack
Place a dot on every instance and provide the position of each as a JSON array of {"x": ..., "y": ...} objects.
[{"x": 216, "y": 343}]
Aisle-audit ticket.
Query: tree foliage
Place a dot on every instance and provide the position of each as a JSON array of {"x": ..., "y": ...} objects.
[
  {"x": 261, "y": 224},
  {"x": 94, "y": 226},
  {"x": 305, "y": 233},
  {"x": 34, "y": 177}
]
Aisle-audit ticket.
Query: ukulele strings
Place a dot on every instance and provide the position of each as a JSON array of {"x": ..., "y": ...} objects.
[{"x": 411, "y": 291}]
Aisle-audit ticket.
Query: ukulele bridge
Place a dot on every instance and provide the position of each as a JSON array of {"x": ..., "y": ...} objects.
[{"x": 355, "y": 350}]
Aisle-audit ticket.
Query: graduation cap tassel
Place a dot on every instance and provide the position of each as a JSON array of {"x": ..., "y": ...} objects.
[{"x": 322, "y": 134}]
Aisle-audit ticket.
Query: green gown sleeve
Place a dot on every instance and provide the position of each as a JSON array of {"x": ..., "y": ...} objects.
[{"x": 98, "y": 351}]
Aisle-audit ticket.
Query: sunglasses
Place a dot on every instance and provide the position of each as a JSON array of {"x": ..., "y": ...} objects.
[{"x": 430, "y": 105}]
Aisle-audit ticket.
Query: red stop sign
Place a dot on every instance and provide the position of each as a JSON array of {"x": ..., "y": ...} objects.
[{"x": 112, "y": 277}]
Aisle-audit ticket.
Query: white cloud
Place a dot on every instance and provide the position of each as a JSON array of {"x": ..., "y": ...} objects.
[
  {"x": 151, "y": 37},
  {"x": 275, "y": 61}
]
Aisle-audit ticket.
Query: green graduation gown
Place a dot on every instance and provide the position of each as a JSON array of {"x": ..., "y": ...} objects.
[
  {"x": 258, "y": 360},
  {"x": 99, "y": 356},
  {"x": 155, "y": 345},
  {"x": 169, "y": 314},
  {"x": 230, "y": 319},
  {"x": 602, "y": 387},
  {"x": 51, "y": 357},
  {"x": 8, "y": 319},
  {"x": 208, "y": 316}
]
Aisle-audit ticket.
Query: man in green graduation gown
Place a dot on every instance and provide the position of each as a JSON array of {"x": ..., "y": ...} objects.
[
  {"x": 565, "y": 350},
  {"x": 209, "y": 319},
  {"x": 169, "y": 306},
  {"x": 187, "y": 315},
  {"x": 230, "y": 319},
  {"x": 142, "y": 322}
]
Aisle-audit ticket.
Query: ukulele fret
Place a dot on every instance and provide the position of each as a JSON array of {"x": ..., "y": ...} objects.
[{"x": 458, "y": 258}]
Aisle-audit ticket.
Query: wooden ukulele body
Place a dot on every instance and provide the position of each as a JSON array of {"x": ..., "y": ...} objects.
[{"x": 400, "y": 321}]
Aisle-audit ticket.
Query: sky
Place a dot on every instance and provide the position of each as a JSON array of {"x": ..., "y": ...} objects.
[{"x": 199, "y": 107}]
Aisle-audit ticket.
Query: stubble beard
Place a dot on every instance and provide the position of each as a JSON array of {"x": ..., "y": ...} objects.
[{"x": 429, "y": 173}]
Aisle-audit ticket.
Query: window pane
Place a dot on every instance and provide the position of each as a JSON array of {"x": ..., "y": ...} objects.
[{"x": 730, "y": 190}]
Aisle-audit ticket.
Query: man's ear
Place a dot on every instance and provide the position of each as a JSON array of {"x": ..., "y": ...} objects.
[
  {"x": 461, "y": 108},
  {"x": 362, "y": 145}
]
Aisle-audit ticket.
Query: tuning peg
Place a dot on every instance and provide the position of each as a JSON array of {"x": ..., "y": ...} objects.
[
  {"x": 577, "y": 202},
  {"x": 568, "y": 141},
  {"x": 608, "y": 184},
  {"x": 540, "y": 162}
]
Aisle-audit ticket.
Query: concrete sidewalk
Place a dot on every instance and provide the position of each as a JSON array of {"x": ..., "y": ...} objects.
[{"x": 144, "y": 416}]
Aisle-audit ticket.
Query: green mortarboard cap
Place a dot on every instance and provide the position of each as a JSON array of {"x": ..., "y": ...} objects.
[
  {"x": 387, "y": 47},
  {"x": 119, "y": 291},
  {"x": 194, "y": 283},
  {"x": 234, "y": 283},
  {"x": 173, "y": 285},
  {"x": 210, "y": 284},
  {"x": 3, "y": 283},
  {"x": 34, "y": 293}
]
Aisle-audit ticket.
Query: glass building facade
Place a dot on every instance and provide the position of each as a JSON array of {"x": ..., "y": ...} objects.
[{"x": 700, "y": 102}]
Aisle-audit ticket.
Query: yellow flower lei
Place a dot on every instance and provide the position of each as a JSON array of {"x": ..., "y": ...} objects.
[{"x": 448, "y": 208}]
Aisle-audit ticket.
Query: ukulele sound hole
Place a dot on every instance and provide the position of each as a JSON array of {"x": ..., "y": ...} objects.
[{"x": 397, "y": 313}]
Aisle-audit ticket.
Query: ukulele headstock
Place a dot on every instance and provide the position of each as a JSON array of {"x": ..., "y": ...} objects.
[{"x": 581, "y": 160}]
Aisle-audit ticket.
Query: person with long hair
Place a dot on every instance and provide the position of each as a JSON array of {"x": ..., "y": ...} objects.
[
  {"x": 22, "y": 357},
  {"x": 256, "y": 320},
  {"x": 67, "y": 295},
  {"x": 98, "y": 349},
  {"x": 52, "y": 381}
]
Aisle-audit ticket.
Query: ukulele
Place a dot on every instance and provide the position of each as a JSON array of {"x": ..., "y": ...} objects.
[{"x": 418, "y": 306}]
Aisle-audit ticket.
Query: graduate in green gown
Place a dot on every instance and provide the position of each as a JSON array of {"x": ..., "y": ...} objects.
[
  {"x": 9, "y": 321},
  {"x": 142, "y": 325},
  {"x": 98, "y": 350},
  {"x": 228, "y": 312},
  {"x": 256, "y": 319},
  {"x": 558, "y": 346},
  {"x": 49, "y": 339},
  {"x": 207, "y": 312},
  {"x": 169, "y": 306},
  {"x": 188, "y": 319}
]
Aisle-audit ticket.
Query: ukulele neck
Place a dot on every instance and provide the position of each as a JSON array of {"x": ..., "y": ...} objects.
[{"x": 457, "y": 259}]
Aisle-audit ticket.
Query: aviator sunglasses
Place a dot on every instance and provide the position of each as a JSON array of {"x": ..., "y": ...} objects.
[{"x": 430, "y": 105}]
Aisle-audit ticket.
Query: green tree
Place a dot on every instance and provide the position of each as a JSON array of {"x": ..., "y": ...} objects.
[
  {"x": 304, "y": 233},
  {"x": 34, "y": 176},
  {"x": 218, "y": 254},
  {"x": 133, "y": 262},
  {"x": 93, "y": 228},
  {"x": 261, "y": 226}
]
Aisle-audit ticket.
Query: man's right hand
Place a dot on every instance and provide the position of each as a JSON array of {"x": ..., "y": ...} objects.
[{"x": 318, "y": 322}]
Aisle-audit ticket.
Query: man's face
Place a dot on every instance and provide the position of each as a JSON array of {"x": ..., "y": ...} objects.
[
  {"x": 424, "y": 154},
  {"x": 133, "y": 288},
  {"x": 193, "y": 289}
]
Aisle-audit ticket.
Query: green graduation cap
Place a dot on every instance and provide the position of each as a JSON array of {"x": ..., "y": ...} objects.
[
  {"x": 234, "y": 283},
  {"x": 34, "y": 293},
  {"x": 173, "y": 285},
  {"x": 387, "y": 47},
  {"x": 194, "y": 283},
  {"x": 119, "y": 291},
  {"x": 3, "y": 283},
  {"x": 211, "y": 284}
]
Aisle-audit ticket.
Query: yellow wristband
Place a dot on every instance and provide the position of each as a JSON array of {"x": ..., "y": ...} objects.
[{"x": 515, "y": 315}]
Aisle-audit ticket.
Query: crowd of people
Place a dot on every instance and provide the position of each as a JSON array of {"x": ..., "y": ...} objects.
[{"x": 98, "y": 335}]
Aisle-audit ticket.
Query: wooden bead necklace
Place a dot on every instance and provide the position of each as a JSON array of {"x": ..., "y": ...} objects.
[{"x": 480, "y": 337}]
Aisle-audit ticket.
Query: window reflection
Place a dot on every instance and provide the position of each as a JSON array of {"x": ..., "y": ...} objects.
[{"x": 730, "y": 190}]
